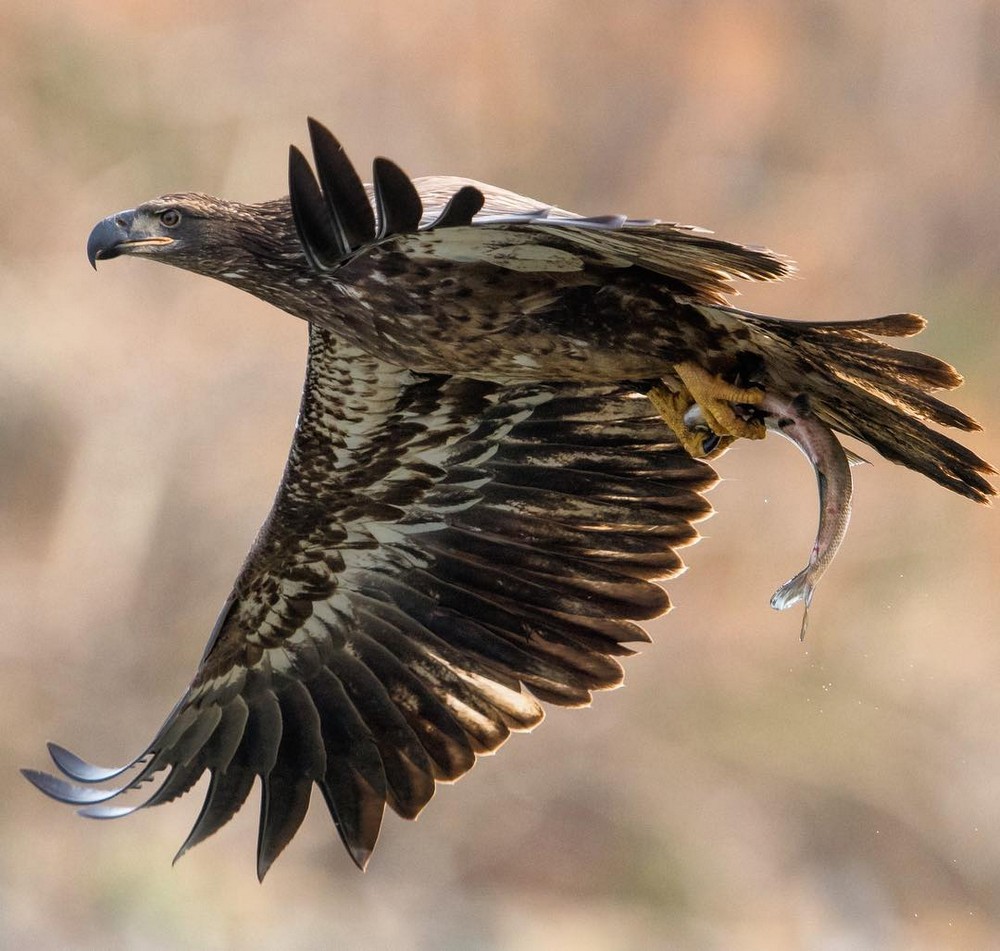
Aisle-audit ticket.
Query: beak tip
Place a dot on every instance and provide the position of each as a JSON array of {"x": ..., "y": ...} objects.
[{"x": 107, "y": 235}]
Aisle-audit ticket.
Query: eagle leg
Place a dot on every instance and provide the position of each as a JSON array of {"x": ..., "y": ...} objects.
[
  {"x": 716, "y": 398},
  {"x": 715, "y": 423},
  {"x": 698, "y": 438}
]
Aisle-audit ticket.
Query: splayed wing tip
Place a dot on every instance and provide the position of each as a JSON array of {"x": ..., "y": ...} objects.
[
  {"x": 361, "y": 858},
  {"x": 106, "y": 812},
  {"x": 62, "y": 791},
  {"x": 73, "y": 766}
]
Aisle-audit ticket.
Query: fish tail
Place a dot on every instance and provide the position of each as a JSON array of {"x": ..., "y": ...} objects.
[
  {"x": 875, "y": 392},
  {"x": 793, "y": 591},
  {"x": 796, "y": 589},
  {"x": 805, "y": 623}
]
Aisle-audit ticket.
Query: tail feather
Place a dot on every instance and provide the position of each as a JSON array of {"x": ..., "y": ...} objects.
[
  {"x": 903, "y": 438},
  {"x": 891, "y": 325},
  {"x": 907, "y": 396},
  {"x": 877, "y": 393},
  {"x": 911, "y": 365}
]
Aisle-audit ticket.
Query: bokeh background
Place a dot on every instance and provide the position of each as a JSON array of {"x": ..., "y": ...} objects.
[{"x": 744, "y": 791}]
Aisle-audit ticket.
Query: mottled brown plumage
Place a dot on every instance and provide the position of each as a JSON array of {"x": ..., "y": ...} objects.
[
  {"x": 478, "y": 501},
  {"x": 529, "y": 292}
]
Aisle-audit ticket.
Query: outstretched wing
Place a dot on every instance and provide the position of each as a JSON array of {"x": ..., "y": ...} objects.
[
  {"x": 470, "y": 222},
  {"x": 436, "y": 546}
]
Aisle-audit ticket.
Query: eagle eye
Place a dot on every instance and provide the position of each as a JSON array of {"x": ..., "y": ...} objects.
[{"x": 170, "y": 218}]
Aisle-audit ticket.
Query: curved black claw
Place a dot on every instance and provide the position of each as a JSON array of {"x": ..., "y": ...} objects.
[{"x": 710, "y": 443}]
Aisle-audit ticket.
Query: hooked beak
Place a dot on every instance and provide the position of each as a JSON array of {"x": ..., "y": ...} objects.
[{"x": 119, "y": 234}]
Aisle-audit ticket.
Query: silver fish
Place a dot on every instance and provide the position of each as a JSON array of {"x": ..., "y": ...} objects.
[{"x": 793, "y": 419}]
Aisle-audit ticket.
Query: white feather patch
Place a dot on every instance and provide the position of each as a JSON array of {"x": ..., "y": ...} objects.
[{"x": 514, "y": 252}]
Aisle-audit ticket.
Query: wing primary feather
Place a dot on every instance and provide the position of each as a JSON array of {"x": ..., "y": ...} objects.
[
  {"x": 109, "y": 812},
  {"x": 396, "y": 199},
  {"x": 409, "y": 772},
  {"x": 354, "y": 787},
  {"x": 321, "y": 244},
  {"x": 262, "y": 735},
  {"x": 460, "y": 210},
  {"x": 227, "y": 791},
  {"x": 351, "y": 213},
  {"x": 286, "y": 788},
  {"x": 190, "y": 744},
  {"x": 179, "y": 780},
  {"x": 71, "y": 765},
  {"x": 98, "y": 811},
  {"x": 63, "y": 791},
  {"x": 228, "y": 735},
  {"x": 357, "y": 816}
]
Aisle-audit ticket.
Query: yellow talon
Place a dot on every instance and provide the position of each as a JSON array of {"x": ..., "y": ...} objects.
[
  {"x": 716, "y": 398},
  {"x": 673, "y": 408},
  {"x": 714, "y": 424}
]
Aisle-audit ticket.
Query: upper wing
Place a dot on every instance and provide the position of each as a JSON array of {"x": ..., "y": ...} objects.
[
  {"x": 435, "y": 544},
  {"x": 475, "y": 223}
]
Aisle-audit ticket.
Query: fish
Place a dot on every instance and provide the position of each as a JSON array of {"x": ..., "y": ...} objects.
[{"x": 793, "y": 418}]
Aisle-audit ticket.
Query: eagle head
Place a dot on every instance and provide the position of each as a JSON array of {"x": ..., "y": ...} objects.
[{"x": 232, "y": 242}]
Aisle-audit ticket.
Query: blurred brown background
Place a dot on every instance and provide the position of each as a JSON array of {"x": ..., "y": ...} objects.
[{"x": 744, "y": 791}]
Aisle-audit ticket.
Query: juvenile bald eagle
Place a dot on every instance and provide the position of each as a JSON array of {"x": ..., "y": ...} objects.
[{"x": 479, "y": 498}]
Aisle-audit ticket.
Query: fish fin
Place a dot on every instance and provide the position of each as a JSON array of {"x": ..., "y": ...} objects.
[{"x": 793, "y": 591}]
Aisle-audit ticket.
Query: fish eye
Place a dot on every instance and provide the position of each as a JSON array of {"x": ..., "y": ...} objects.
[{"x": 170, "y": 218}]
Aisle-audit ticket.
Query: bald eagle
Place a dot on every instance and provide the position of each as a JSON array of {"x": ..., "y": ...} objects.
[{"x": 480, "y": 501}]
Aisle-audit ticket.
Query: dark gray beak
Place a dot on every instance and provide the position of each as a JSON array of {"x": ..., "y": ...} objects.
[{"x": 108, "y": 237}]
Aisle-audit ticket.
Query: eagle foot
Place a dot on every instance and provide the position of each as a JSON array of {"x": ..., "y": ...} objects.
[
  {"x": 688, "y": 423},
  {"x": 702, "y": 413}
]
